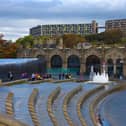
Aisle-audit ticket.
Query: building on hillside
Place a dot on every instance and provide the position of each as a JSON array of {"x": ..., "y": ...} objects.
[
  {"x": 61, "y": 29},
  {"x": 116, "y": 24}
]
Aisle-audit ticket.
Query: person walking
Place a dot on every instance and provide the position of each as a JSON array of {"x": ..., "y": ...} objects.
[{"x": 10, "y": 76}]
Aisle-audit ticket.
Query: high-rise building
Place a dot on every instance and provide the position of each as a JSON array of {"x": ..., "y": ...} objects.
[
  {"x": 60, "y": 29},
  {"x": 116, "y": 24}
]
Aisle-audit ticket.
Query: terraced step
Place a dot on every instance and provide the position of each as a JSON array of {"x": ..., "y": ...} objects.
[
  {"x": 84, "y": 105},
  {"x": 31, "y": 105},
  {"x": 53, "y": 96},
  {"x": 41, "y": 105},
  {"x": 3, "y": 96},
  {"x": 72, "y": 108},
  {"x": 67, "y": 100},
  {"x": 21, "y": 111},
  {"x": 58, "y": 103},
  {"x": 95, "y": 103}
]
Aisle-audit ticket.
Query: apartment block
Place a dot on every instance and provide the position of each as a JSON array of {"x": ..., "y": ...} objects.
[{"x": 60, "y": 29}]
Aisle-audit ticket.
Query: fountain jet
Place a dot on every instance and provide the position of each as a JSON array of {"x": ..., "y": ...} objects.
[{"x": 97, "y": 77}]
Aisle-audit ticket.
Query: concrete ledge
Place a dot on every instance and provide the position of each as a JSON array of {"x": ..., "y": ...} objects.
[
  {"x": 65, "y": 80},
  {"x": 66, "y": 102},
  {"x": 40, "y": 81},
  {"x": 8, "y": 121},
  {"x": 50, "y": 102},
  {"x": 14, "y": 82},
  {"x": 101, "y": 97},
  {"x": 31, "y": 106},
  {"x": 81, "y": 102}
]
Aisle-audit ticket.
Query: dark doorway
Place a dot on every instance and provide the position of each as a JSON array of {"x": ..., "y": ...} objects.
[
  {"x": 94, "y": 61},
  {"x": 73, "y": 64},
  {"x": 119, "y": 67},
  {"x": 110, "y": 67},
  {"x": 56, "y": 61}
]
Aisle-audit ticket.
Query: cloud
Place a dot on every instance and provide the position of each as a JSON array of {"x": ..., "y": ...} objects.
[{"x": 16, "y": 17}]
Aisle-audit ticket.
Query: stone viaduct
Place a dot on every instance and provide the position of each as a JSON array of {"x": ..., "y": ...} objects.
[{"x": 112, "y": 58}]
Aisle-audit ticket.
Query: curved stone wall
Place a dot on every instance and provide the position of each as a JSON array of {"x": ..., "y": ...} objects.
[
  {"x": 50, "y": 102},
  {"x": 8, "y": 121},
  {"x": 66, "y": 102},
  {"x": 31, "y": 106},
  {"x": 82, "y": 100},
  {"x": 9, "y": 104},
  {"x": 101, "y": 97}
]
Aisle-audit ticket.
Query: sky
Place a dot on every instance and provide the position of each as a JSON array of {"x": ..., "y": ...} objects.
[{"x": 18, "y": 16}]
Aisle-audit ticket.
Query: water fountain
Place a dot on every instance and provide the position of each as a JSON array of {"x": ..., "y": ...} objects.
[{"x": 97, "y": 77}]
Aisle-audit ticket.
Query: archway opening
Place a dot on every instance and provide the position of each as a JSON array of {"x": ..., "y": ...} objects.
[
  {"x": 110, "y": 67},
  {"x": 94, "y": 61},
  {"x": 119, "y": 67},
  {"x": 56, "y": 65},
  {"x": 56, "y": 61},
  {"x": 73, "y": 64}
]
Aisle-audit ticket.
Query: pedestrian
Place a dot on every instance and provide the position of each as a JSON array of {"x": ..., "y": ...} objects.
[
  {"x": 10, "y": 76},
  {"x": 98, "y": 120},
  {"x": 63, "y": 76},
  {"x": 33, "y": 77},
  {"x": 59, "y": 76}
]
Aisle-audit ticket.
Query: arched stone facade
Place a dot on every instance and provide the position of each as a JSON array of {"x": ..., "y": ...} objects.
[{"x": 102, "y": 53}]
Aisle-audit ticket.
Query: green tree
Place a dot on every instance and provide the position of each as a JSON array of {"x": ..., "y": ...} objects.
[
  {"x": 113, "y": 36},
  {"x": 27, "y": 41}
]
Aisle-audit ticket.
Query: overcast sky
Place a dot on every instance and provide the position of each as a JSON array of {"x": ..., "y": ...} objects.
[{"x": 17, "y": 16}]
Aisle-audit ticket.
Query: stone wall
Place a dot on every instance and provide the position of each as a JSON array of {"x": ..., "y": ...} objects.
[
  {"x": 50, "y": 102},
  {"x": 103, "y": 53},
  {"x": 66, "y": 101},
  {"x": 31, "y": 106},
  {"x": 81, "y": 102}
]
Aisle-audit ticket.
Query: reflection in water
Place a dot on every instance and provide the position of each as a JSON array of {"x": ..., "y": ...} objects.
[
  {"x": 114, "y": 109},
  {"x": 22, "y": 93}
]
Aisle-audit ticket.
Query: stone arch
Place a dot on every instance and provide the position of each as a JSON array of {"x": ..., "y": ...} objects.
[
  {"x": 73, "y": 52},
  {"x": 56, "y": 61},
  {"x": 110, "y": 67},
  {"x": 93, "y": 51},
  {"x": 114, "y": 54},
  {"x": 40, "y": 56},
  {"x": 73, "y": 63},
  {"x": 55, "y": 52},
  {"x": 94, "y": 61},
  {"x": 37, "y": 53}
]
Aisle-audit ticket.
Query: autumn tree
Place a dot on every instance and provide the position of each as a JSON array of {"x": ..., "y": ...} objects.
[
  {"x": 71, "y": 40},
  {"x": 7, "y": 48}
]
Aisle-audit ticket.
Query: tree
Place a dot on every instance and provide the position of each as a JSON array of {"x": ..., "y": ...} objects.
[
  {"x": 27, "y": 41},
  {"x": 7, "y": 48},
  {"x": 113, "y": 36},
  {"x": 71, "y": 40}
]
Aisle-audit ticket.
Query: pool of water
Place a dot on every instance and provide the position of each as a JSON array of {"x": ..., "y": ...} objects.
[
  {"x": 113, "y": 109},
  {"x": 22, "y": 93}
]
